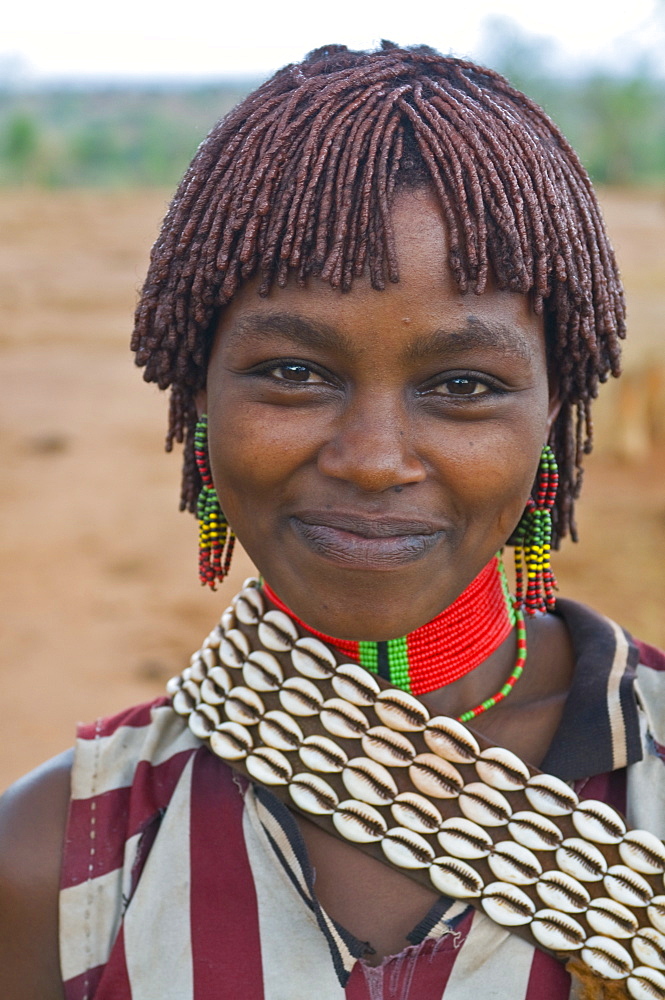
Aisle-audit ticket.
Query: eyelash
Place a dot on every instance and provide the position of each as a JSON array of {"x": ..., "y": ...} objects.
[{"x": 491, "y": 387}]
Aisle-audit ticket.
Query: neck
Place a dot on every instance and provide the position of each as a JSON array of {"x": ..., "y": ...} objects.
[{"x": 444, "y": 649}]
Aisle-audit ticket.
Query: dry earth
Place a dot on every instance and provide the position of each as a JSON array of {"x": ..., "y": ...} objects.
[{"x": 99, "y": 597}]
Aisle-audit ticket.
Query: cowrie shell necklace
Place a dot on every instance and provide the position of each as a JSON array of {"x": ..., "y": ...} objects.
[{"x": 367, "y": 762}]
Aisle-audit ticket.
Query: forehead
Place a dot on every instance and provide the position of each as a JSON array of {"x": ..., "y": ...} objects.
[{"x": 425, "y": 303}]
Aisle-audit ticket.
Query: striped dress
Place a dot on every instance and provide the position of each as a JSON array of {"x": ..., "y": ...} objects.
[{"x": 183, "y": 882}]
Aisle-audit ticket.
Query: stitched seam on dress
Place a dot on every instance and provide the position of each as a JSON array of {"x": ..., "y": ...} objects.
[{"x": 92, "y": 834}]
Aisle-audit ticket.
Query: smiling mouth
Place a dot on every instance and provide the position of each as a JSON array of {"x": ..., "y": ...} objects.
[{"x": 360, "y": 542}]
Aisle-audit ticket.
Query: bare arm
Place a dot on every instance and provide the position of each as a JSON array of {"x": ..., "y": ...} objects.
[{"x": 33, "y": 815}]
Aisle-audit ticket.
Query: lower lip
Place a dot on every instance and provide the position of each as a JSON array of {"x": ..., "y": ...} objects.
[{"x": 359, "y": 552}]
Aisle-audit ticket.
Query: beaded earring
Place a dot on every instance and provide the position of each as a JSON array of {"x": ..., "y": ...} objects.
[
  {"x": 533, "y": 539},
  {"x": 216, "y": 537}
]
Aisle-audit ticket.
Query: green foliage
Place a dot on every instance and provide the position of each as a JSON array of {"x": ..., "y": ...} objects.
[{"x": 132, "y": 135}]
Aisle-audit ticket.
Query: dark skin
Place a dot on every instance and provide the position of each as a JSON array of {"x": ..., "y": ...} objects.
[{"x": 417, "y": 412}]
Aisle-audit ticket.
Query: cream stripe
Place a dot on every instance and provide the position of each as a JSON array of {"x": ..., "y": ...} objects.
[
  {"x": 157, "y": 742},
  {"x": 492, "y": 963},
  {"x": 614, "y": 710},
  {"x": 304, "y": 968},
  {"x": 96, "y": 906},
  {"x": 158, "y": 946}
]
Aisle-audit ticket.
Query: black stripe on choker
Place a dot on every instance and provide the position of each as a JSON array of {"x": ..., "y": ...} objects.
[{"x": 382, "y": 662}]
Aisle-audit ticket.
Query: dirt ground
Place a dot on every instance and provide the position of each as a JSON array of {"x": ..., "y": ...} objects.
[{"x": 99, "y": 597}]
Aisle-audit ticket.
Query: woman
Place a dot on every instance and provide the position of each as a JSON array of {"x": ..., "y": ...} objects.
[{"x": 383, "y": 299}]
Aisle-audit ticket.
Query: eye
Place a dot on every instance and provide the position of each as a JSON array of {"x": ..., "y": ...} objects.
[
  {"x": 462, "y": 386},
  {"x": 295, "y": 373}
]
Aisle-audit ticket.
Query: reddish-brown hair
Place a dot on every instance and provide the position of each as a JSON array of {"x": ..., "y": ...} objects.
[{"x": 299, "y": 179}]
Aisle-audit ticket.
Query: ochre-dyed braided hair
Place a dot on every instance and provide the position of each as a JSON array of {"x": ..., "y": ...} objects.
[{"x": 299, "y": 180}]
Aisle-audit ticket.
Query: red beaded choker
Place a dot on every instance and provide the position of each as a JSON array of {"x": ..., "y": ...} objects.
[{"x": 444, "y": 649}]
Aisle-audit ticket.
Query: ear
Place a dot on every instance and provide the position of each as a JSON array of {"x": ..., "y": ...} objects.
[
  {"x": 555, "y": 402},
  {"x": 201, "y": 402}
]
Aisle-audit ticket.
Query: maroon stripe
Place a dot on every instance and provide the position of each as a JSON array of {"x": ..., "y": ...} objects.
[
  {"x": 118, "y": 814},
  {"x": 224, "y": 913},
  {"x": 84, "y": 986},
  {"x": 650, "y": 657},
  {"x": 115, "y": 984},
  {"x": 106, "y": 815},
  {"x": 548, "y": 979},
  {"x": 139, "y": 715},
  {"x": 420, "y": 971},
  {"x": 609, "y": 787}
]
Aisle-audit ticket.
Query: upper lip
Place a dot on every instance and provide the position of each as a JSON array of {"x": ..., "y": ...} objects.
[{"x": 370, "y": 525}]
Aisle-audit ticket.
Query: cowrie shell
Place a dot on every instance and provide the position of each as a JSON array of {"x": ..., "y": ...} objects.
[
  {"x": 627, "y": 886},
  {"x": 562, "y": 892},
  {"x": 407, "y": 849},
  {"x": 463, "y": 839},
  {"x": 262, "y": 671},
  {"x": 313, "y": 795},
  {"x": 367, "y": 780},
  {"x": 216, "y": 686},
  {"x": 359, "y": 822},
  {"x": 251, "y": 581},
  {"x": 557, "y": 931},
  {"x": 599, "y": 822},
  {"x": 451, "y": 740},
  {"x": 203, "y": 721},
  {"x": 435, "y": 776},
  {"x": 510, "y": 862},
  {"x": 213, "y": 639},
  {"x": 401, "y": 711},
  {"x": 228, "y": 620},
  {"x": 387, "y": 747},
  {"x": 279, "y": 730},
  {"x": 534, "y": 831},
  {"x": 507, "y": 905},
  {"x": 300, "y": 697},
  {"x": 646, "y": 984},
  {"x": 193, "y": 690},
  {"x": 455, "y": 878},
  {"x": 611, "y": 919},
  {"x": 312, "y": 659},
  {"x": 173, "y": 685},
  {"x": 209, "y": 660},
  {"x": 550, "y": 796},
  {"x": 656, "y": 912},
  {"x": 484, "y": 805},
  {"x": 230, "y": 741},
  {"x": 244, "y": 706},
  {"x": 649, "y": 947},
  {"x": 249, "y": 606},
  {"x": 234, "y": 648},
  {"x": 196, "y": 671},
  {"x": 183, "y": 702},
  {"x": 581, "y": 860},
  {"x": 355, "y": 684},
  {"x": 277, "y": 631},
  {"x": 416, "y": 813},
  {"x": 606, "y": 957},
  {"x": 343, "y": 719},
  {"x": 269, "y": 766},
  {"x": 320, "y": 754},
  {"x": 502, "y": 769},
  {"x": 643, "y": 852}
]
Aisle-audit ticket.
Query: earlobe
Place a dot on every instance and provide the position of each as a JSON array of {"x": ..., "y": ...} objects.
[
  {"x": 201, "y": 402},
  {"x": 554, "y": 407}
]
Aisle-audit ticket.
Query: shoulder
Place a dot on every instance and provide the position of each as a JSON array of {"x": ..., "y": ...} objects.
[{"x": 33, "y": 818}]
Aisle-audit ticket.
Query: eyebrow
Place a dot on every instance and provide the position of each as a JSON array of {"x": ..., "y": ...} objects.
[
  {"x": 300, "y": 329},
  {"x": 476, "y": 334}
]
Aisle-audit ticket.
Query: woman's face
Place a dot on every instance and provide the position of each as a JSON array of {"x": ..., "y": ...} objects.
[{"x": 373, "y": 450}]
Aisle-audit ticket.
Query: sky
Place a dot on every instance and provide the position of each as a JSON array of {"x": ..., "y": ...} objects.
[{"x": 200, "y": 38}]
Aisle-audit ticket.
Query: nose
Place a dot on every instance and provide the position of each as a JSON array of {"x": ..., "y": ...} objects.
[{"x": 373, "y": 446}]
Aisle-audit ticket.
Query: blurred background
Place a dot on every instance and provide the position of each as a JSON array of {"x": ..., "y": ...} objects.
[{"x": 100, "y": 112}]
